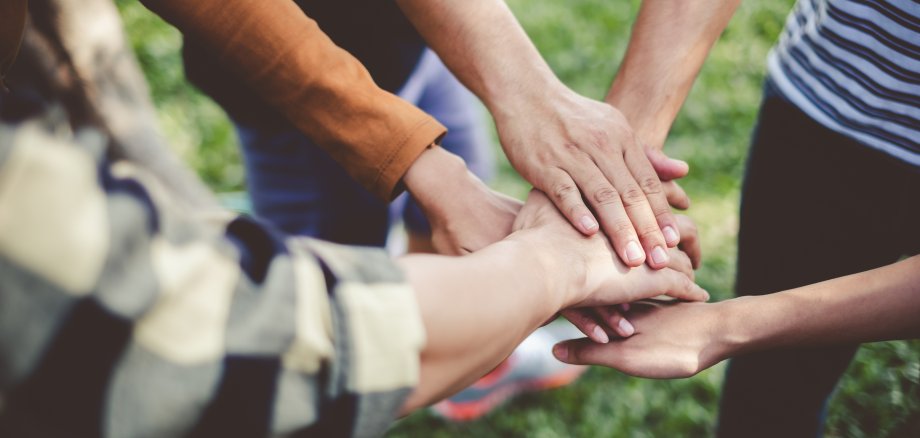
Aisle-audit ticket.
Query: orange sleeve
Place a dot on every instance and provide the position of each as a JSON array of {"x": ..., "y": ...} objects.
[{"x": 324, "y": 91}]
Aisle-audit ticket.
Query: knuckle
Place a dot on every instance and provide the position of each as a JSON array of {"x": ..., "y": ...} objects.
[
  {"x": 600, "y": 140},
  {"x": 606, "y": 196},
  {"x": 563, "y": 190},
  {"x": 651, "y": 185},
  {"x": 648, "y": 232},
  {"x": 544, "y": 156},
  {"x": 664, "y": 215},
  {"x": 576, "y": 210},
  {"x": 633, "y": 196},
  {"x": 622, "y": 228}
]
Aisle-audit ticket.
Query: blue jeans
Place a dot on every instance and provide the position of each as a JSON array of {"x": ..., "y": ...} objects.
[
  {"x": 298, "y": 187},
  {"x": 815, "y": 205}
]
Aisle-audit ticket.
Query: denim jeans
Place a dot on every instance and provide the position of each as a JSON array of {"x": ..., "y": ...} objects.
[{"x": 299, "y": 188}]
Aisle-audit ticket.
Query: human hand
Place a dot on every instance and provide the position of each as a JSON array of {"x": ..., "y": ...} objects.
[
  {"x": 601, "y": 323},
  {"x": 670, "y": 341},
  {"x": 585, "y": 269},
  {"x": 465, "y": 214},
  {"x": 669, "y": 170},
  {"x": 573, "y": 149}
]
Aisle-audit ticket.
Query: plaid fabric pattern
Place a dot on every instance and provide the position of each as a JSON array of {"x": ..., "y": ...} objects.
[{"x": 126, "y": 314}]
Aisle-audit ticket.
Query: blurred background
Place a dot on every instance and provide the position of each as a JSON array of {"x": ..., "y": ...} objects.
[{"x": 583, "y": 41}]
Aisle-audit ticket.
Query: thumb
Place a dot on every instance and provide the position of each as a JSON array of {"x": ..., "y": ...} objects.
[
  {"x": 668, "y": 282},
  {"x": 666, "y": 167},
  {"x": 587, "y": 352}
]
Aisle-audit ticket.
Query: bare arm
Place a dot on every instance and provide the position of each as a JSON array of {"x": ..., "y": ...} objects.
[
  {"x": 876, "y": 305},
  {"x": 473, "y": 306},
  {"x": 291, "y": 64},
  {"x": 670, "y": 41},
  {"x": 682, "y": 340},
  {"x": 570, "y": 147},
  {"x": 381, "y": 140}
]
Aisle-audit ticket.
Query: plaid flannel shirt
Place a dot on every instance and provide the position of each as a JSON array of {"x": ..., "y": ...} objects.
[{"x": 125, "y": 314}]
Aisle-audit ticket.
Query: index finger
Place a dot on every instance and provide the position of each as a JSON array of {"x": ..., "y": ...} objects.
[{"x": 562, "y": 190}]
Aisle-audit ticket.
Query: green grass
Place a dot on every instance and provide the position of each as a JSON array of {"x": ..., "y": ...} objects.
[{"x": 583, "y": 41}]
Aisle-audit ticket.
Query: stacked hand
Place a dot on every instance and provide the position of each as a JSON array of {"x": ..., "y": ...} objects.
[
  {"x": 584, "y": 156},
  {"x": 586, "y": 270},
  {"x": 600, "y": 324},
  {"x": 576, "y": 149},
  {"x": 670, "y": 340}
]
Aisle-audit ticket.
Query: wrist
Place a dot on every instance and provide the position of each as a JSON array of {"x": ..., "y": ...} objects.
[
  {"x": 524, "y": 97},
  {"x": 434, "y": 173},
  {"x": 561, "y": 282},
  {"x": 738, "y": 334},
  {"x": 648, "y": 116}
]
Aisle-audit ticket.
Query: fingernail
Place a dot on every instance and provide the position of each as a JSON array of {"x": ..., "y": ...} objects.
[
  {"x": 670, "y": 235},
  {"x": 659, "y": 256},
  {"x": 627, "y": 328},
  {"x": 561, "y": 352},
  {"x": 633, "y": 251},
  {"x": 588, "y": 223},
  {"x": 600, "y": 335}
]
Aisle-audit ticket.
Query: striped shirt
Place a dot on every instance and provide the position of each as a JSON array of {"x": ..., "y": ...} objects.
[{"x": 854, "y": 66}]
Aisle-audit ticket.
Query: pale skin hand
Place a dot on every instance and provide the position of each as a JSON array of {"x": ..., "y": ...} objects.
[
  {"x": 542, "y": 267},
  {"x": 600, "y": 324},
  {"x": 465, "y": 215},
  {"x": 570, "y": 147},
  {"x": 681, "y": 340}
]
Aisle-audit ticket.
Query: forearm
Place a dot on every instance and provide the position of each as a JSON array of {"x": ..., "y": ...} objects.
[
  {"x": 876, "y": 305},
  {"x": 435, "y": 173},
  {"x": 475, "y": 309},
  {"x": 323, "y": 90},
  {"x": 670, "y": 41},
  {"x": 485, "y": 47}
]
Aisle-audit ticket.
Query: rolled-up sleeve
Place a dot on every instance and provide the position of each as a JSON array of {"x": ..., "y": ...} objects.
[
  {"x": 324, "y": 91},
  {"x": 122, "y": 314}
]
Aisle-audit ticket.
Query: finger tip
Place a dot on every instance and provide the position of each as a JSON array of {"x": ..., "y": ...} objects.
[
  {"x": 599, "y": 336},
  {"x": 632, "y": 254},
  {"x": 625, "y": 328},
  {"x": 588, "y": 225},
  {"x": 671, "y": 235},
  {"x": 561, "y": 352},
  {"x": 679, "y": 166},
  {"x": 660, "y": 258}
]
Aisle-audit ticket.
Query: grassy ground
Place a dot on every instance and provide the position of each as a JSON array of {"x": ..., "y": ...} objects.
[{"x": 582, "y": 40}]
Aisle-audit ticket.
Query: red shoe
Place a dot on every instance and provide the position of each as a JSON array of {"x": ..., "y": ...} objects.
[{"x": 531, "y": 367}]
